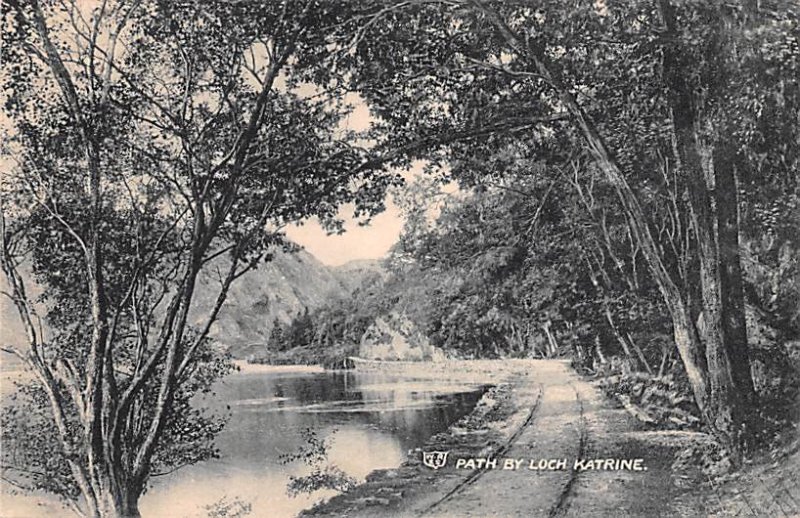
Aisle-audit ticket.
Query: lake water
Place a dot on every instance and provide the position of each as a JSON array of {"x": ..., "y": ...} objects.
[{"x": 371, "y": 420}]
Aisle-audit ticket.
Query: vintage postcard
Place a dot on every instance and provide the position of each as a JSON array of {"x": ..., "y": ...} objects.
[{"x": 400, "y": 258}]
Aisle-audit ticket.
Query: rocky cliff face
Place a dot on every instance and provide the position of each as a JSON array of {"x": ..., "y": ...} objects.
[
  {"x": 352, "y": 273},
  {"x": 395, "y": 337}
]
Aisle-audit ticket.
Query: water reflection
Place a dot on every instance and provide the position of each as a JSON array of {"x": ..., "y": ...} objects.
[{"x": 376, "y": 419}]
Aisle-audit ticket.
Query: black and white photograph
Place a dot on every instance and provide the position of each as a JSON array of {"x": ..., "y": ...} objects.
[{"x": 400, "y": 259}]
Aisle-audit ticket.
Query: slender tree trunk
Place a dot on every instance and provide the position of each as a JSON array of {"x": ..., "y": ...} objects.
[
  {"x": 639, "y": 353},
  {"x": 552, "y": 344},
  {"x": 687, "y": 340},
  {"x": 618, "y": 335},
  {"x": 598, "y": 348}
]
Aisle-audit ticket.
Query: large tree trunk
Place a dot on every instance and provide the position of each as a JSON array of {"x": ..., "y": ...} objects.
[
  {"x": 709, "y": 178},
  {"x": 120, "y": 502},
  {"x": 742, "y": 400},
  {"x": 731, "y": 277}
]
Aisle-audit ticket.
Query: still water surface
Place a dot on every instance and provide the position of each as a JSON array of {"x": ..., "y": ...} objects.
[{"x": 371, "y": 419}]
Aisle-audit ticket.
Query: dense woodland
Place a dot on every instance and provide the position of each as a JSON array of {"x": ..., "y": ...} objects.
[
  {"x": 629, "y": 191},
  {"x": 629, "y": 196}
]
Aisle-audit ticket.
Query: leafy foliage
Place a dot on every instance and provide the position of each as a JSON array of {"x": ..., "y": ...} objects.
[
  {"x": 229, "y": 508},
  {"x": 323, "y": 476}
]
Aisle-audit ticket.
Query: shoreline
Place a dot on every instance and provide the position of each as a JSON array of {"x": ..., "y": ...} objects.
[
  {"x": 501, "y": 413},
  {"x": 502, "y": 425},
  {"x": 611, "y": 463},
  {"x": 245, "y": 367}
]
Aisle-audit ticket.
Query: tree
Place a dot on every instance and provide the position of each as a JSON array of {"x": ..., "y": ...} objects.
[
  {"x": 150, "y": 142},
  {"x": 632, "y": 87},
  {"x": 277, "y": 336},
  {"x": 301, "y": 329}
]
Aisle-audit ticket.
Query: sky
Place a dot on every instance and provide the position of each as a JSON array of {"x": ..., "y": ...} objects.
[
  {"x": 357, "y": 242},
  {"x": 368, "y": 242}
]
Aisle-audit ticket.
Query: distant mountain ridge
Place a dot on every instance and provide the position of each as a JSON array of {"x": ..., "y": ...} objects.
[
  {"x": 278, "y": 290},
  {"x": 352, "y": 273}
]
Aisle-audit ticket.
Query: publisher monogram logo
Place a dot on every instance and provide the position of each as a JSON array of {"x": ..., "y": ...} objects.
[{"x": 434, "y": 459}]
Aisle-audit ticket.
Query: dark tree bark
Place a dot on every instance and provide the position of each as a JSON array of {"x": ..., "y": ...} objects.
[
  {"x": 731, "y": 286},
  {"x": 708, "y": 173}
]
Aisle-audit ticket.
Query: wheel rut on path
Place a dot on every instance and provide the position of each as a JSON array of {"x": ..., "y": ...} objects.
[
  {"x": 478, "y": 473},
  {"x": 556, "y": 429},
  {"x": 562, "y": 504}
]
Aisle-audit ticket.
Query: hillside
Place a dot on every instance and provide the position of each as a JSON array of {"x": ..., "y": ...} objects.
[{"x": 280, "y": 290}]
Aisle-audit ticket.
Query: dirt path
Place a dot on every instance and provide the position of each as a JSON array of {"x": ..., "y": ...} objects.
[
  {"x": 569, "y": 420},
  {"x": 573, "y": 421},
  {"x": 557, "y": 430}
]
